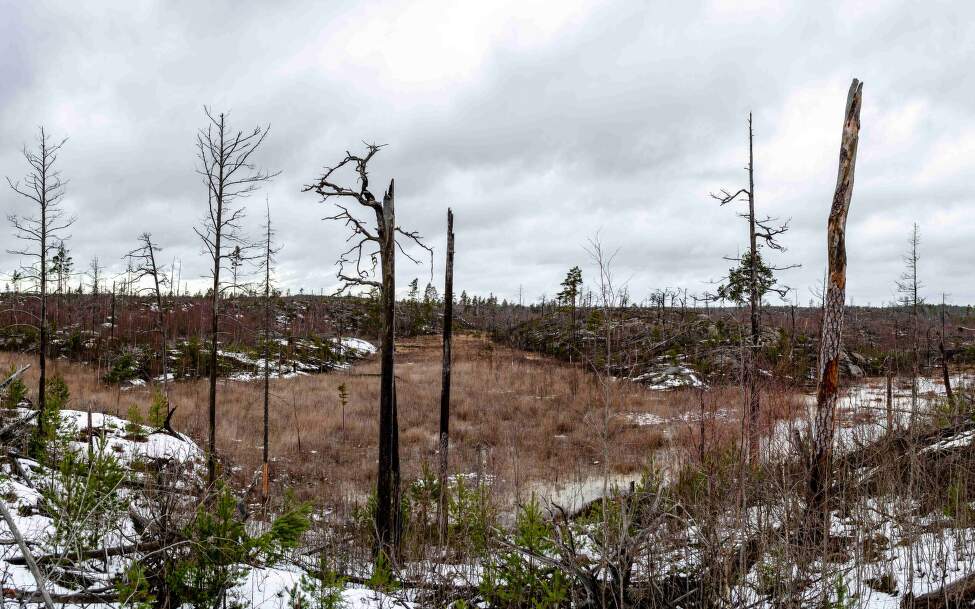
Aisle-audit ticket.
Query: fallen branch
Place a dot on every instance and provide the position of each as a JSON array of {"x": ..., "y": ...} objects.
[
  {"x": 13, "y": 377},
  {"x": 79, "y": 556},
  {"x": 74, "y": 598},
  {"x": 13, "y": 429},
  {"x": 28, "y": 557}
]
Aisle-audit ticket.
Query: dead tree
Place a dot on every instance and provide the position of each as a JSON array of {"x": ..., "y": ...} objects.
[
  {"x": 95, "y": 272},
  {"x": 145, "y": 265},
  {"x": 225, "y": 159},
  {"x": 40, "y": 232},
  {"x": 832, "y": 325},
  {"x": 753, "y": 279},
  {"x": 372, "y": 245},
  {"x": 908, "y": 286},
  {"x": 267, "y": 264},
  {"x": 448, "y": 312},
  {"x": 946, "y": 378}
]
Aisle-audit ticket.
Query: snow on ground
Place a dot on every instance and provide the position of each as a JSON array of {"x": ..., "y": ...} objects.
[
  {"x": 128, "y": 443},
  {"x": 349, "y": 347},
  {"x": 861, "y": 411},
  {"x": 577, "y": 492},
  {"x": 263, "y": 587},
  {"x": 649, "y": 419},
  {"x": 272, "y": 588},
  {"x": 355, "y": 346},
  {"x": 669, "y": 377}
]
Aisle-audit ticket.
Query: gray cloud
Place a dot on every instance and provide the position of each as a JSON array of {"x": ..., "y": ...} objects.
[{"x": 541, "y": 124}]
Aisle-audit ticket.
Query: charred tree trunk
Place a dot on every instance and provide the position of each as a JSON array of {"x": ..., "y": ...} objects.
[
  {"x": 160, "y": 322},
  {"x": 386, "y": 503},
  {"x": 42, "y": 348},
  {"x": 113, "y": 312},
  {"x": 388, "y": 522},
  {"x": 755, "y": 303},
  {"x": 448, "y": 312},
  {"x": 832, "y": 330},
  {"x": 214, "y": 329},
  {"x": 890, "y": 399},
  {"x": 44, "y": 188},
  {"x": 265, "y": 475},
  {"x": 949, "y": 394},
  {"x": 226, "y": 164}
]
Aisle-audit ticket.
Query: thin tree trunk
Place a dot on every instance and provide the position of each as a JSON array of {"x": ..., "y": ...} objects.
[
  {"x": 448, "y": 309},
  {"x": 755, "y": 303},
  {"x": 113, "y": 312},
  {"x": 265, "y": 478},
  {"x": 160, "y": 323},
  {"x": 214, "y": 325},
  {"x": 42, "y": 355},
  {"x": 833, "y": 309},
  {"x": 890, "y": 399},
  {"x": 944, "y": 357}
]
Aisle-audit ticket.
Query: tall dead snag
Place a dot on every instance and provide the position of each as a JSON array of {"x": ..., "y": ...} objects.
[
  {"x": 750, "y": 281},
  {"x": 371, "y": 245},
  {"x": 946, "y": 378},
  {"x": 145, "y": 265},
  {"x": 448, "y": 322},
  {"x": 40, "y": 232},
  {"x": 832, "y": 329},
  {"x": 908, "y": 286},
  {"x": 225, "y": 161},
  {"x": 267, "y": 263}
]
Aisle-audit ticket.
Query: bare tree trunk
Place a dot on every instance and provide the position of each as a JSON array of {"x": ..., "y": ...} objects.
[
  {"x": 448, "y": 312},
  {"x": 113, "y": 312},
  {"x": 833, "y": 309},
  {"x": 944, "y": 357},
  {"x": 890, "y": 399},
  {"x": 385, "y": 505},
  {"x": 160, "y": 323},
  {"x": 387, "y": 518},
  {"x": 265, "y": 477},
  {"x": 42, "y": 349},
  {"x": 225, "y": 162},
  {"x": 214, "y": 328},
  {"x": 755, "y": 304}
]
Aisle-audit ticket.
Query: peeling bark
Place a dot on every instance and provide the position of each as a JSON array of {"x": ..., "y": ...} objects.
[{"x": 832, "y": 329}]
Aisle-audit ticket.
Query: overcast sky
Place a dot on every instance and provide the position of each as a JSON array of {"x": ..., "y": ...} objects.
[{"x": 540, "y": 123}]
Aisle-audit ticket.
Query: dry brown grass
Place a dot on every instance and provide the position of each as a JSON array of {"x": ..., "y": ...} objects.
[{"x": 537, "y": 419}]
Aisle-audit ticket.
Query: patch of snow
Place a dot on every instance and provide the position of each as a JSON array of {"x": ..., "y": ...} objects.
[{"x": 355, "y": 346}]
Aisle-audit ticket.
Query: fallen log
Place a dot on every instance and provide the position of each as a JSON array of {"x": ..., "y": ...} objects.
[
  {"x": 74, "y": 598},
  {"x": 89, "y": 554},
  {"x": 959, "y": 593},
  {"x": 13, "y": 429},
  {"x": 13, "y": 376},
  {"x": 28, "y": 558}
]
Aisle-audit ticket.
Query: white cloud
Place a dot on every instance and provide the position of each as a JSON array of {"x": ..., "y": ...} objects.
[{"x": 539, "y": 122}]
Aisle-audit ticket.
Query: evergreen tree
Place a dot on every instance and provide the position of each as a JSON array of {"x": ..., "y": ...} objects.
[
  {"x": 61, "y": 266},
  {"x": 737, "y": 288},
  {"x": 570, "y": 287}
]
